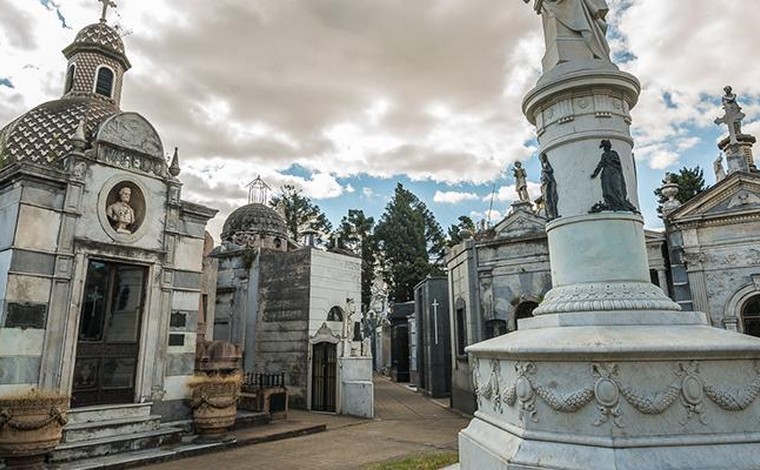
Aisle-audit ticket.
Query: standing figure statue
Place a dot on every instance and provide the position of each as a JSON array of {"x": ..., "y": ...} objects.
[
  {"x": 614, "y": 191},
  {"x": 548, "y": 188},
  {"x": 733, "y": 114},
  {"x": 120, "y": 213},
  {"x": 521, "y": 182},
  {"x": 720, "y": 173},
  {"x": 581, "y": 18}
]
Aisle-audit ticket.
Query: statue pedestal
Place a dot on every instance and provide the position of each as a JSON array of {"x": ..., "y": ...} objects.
[{"x": 609, "y": 374}]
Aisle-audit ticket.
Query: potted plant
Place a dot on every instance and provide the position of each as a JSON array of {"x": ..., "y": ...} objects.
[
  {"x": 213, "y": 399},
  {"x": 31, "y": 425}
]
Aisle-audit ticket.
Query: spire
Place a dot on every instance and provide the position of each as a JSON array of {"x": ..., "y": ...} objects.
[{"x": 174, "y": 167}]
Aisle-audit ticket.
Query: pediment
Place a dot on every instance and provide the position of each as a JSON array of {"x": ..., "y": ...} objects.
[
  {"x": 737, "y": 193},
  {"x": 520, "y": 223},
  {"x": 131, "y": 131}
]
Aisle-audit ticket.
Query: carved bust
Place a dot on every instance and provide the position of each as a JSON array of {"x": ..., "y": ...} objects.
[{"x": 120, "y": 213}]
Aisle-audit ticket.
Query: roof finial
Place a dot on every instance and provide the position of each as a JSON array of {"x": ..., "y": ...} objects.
[
  {"x": 258, "y": 191},
  {"x": 106, "y": 4},
  {"x": 174, "y": 167}
]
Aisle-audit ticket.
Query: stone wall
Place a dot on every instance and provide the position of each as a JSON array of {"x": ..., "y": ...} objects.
[{"x": 282, "y": 335}]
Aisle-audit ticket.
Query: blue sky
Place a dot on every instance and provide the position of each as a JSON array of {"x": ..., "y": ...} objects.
[{"x": 344, "y": 99}]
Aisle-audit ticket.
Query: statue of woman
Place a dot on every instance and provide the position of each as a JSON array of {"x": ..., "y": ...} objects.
[
  {"x": 586, "y": 18},
  {"x": 614, "y": 191},
  {"x": 548, "y": 188}
]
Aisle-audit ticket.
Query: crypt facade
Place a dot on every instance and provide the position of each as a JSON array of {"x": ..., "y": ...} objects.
[{"x": 100, "y": 258}]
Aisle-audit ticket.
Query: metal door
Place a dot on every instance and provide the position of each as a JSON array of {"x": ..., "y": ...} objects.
[
  {"x": 109, "y": 334},
  {"x": 324, "y": 380}
]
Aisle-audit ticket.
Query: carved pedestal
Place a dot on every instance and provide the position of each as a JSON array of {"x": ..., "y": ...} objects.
[{"x": 610, "y": 374}]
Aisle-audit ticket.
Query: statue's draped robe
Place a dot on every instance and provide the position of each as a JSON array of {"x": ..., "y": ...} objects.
[{"x": 586, "y": 17}]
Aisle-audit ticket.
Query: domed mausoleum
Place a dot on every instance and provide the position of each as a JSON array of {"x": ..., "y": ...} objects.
[
  {"x": 256, "y": 225},
  {"x": 100, "y": 258}
]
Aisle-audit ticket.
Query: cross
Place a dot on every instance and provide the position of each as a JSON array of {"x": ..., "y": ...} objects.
[
  {"x": 435, "y": 306},
  {"x": 106, "y": 4}
]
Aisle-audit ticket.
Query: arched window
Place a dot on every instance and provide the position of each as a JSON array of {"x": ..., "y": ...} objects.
[
  {"x": 335, "y": 314},
  {"x": 69, "y": 79},
  {"x": 104, "y": 82},
  {"x": 751, "y": 316}
]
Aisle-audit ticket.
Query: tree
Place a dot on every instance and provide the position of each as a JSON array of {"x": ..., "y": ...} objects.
[
  {"x": 409, "y": 236},
  {"x": 690, "y": 182},
  {"x": 355, "y": 234},
  {"x": 455, "y": 231},
  {"x": 301, "y": 214}
]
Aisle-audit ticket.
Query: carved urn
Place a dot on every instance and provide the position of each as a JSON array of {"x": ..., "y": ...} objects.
[
  {"x": 214, "y": 403},
  {"x": 31, "y": 426}
]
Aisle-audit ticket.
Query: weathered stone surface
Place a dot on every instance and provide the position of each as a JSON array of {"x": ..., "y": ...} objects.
[
  {"x": 37, "y": 228},
  {"x": 187, "y": 280},
  {"x": 19, "y": 369},
  {"x": 32, "y": 262},
  {"x": 179, "y": 364}
]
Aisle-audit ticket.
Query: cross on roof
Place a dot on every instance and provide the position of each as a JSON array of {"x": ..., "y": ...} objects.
[{"x": 106, "y": 4}]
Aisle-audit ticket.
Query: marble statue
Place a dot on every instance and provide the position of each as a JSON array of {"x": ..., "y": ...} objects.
[
  {"x": 121, "y": 213},
  {"x": 582, "y": 18},
  {"x": 614, "y": 191},
  {"x": 733, "y": 114},
  {"x": 720, "y": 173},
  {"x": 521, "y": 182},
  {"x": 548, "y": 188}
]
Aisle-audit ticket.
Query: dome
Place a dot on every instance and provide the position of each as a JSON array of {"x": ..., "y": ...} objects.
[
  {"x": 100, "y": 34},
  {"x": 43, "y": 135},
  {"x": 99, "y": 37},
  {"x": 254, "y": 218}
]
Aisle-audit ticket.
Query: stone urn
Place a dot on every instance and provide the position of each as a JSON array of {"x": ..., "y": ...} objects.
[
  {"x": 31, "y": 425},
  {"x": 213, "y": 399}
]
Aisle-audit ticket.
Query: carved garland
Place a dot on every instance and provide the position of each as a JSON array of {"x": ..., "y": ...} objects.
[
  {"x": 55, "y": 415},
  {"x": 608, "y": 388}
]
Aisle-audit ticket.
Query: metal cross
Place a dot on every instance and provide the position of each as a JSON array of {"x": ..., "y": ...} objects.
[
  {"x": 435, "y": 306},
  {"x": 106, "y": 4}
]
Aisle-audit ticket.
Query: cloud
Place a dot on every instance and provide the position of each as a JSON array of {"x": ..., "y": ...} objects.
[
  {"x": 454, "y": 197},
  {"x": 508, "y": 193}
]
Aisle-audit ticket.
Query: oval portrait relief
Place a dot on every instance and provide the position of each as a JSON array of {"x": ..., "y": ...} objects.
[{"x": 125, "y": 208}]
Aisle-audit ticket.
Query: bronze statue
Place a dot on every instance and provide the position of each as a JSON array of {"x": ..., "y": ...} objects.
[
  {"x": 548, "y": 188},
  {"x": 614, "y": 191}
]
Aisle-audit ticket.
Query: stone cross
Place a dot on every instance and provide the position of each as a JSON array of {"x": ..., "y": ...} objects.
[
  {"x": 106, "y": 4},
  {"x": 733, "y": 115},
  {"x": 435, "y": 306}
]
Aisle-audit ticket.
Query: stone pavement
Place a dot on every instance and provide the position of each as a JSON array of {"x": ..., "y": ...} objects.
[{"x": 405, "y": 424}]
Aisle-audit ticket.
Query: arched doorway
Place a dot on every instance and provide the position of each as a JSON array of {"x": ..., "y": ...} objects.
[
  {"x": 751, "y": 316},
  {"x": 324, "y": 380}
]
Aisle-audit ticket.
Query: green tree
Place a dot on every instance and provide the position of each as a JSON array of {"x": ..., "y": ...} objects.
[
  {"x": 301, "y": 214},
  {"x": 690, "y": 182},
  {"x": 409, "y": 237},
  {"x": 455, "y": 231},
  {"x": 355, "y": 234}
]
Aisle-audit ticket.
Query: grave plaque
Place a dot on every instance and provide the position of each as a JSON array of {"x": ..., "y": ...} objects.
[
  {"x": 178, "y": 320},
  {"x": 23, "y": 315},
  {"x": 176, "y": 340}
]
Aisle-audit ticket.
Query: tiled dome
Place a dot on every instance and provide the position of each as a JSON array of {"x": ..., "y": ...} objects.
[
  {"x": 100, "y": 34},
  {"x": 43, "y": 135},
  {"x": 254, "y": 218}
]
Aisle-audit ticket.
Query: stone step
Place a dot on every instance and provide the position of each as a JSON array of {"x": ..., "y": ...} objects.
[
  {"x": 108, "y": 412},
  {"x": 247, "y": 419},
  {"x": 115, "y": 444},
  {"x": 78, "y": 432}
]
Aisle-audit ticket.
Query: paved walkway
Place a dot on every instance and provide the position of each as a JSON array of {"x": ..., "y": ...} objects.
[{"x": 406, "y": 424}]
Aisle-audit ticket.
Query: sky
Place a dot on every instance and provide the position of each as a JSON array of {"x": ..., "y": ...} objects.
[{"x": 345, "y": 98}]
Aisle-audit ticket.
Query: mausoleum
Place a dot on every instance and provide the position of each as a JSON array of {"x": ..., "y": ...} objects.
[{"x": 100, "y": 258}]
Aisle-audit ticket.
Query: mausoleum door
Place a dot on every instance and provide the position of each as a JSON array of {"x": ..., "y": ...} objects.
[
  {"x": 324, "y": 380},
  {"x": 109, "y": 334}
]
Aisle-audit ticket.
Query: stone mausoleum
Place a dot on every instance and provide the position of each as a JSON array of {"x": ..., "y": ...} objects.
[
  {"x": 100, "y": 258},
  {"x": 291, "y": 309}
]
